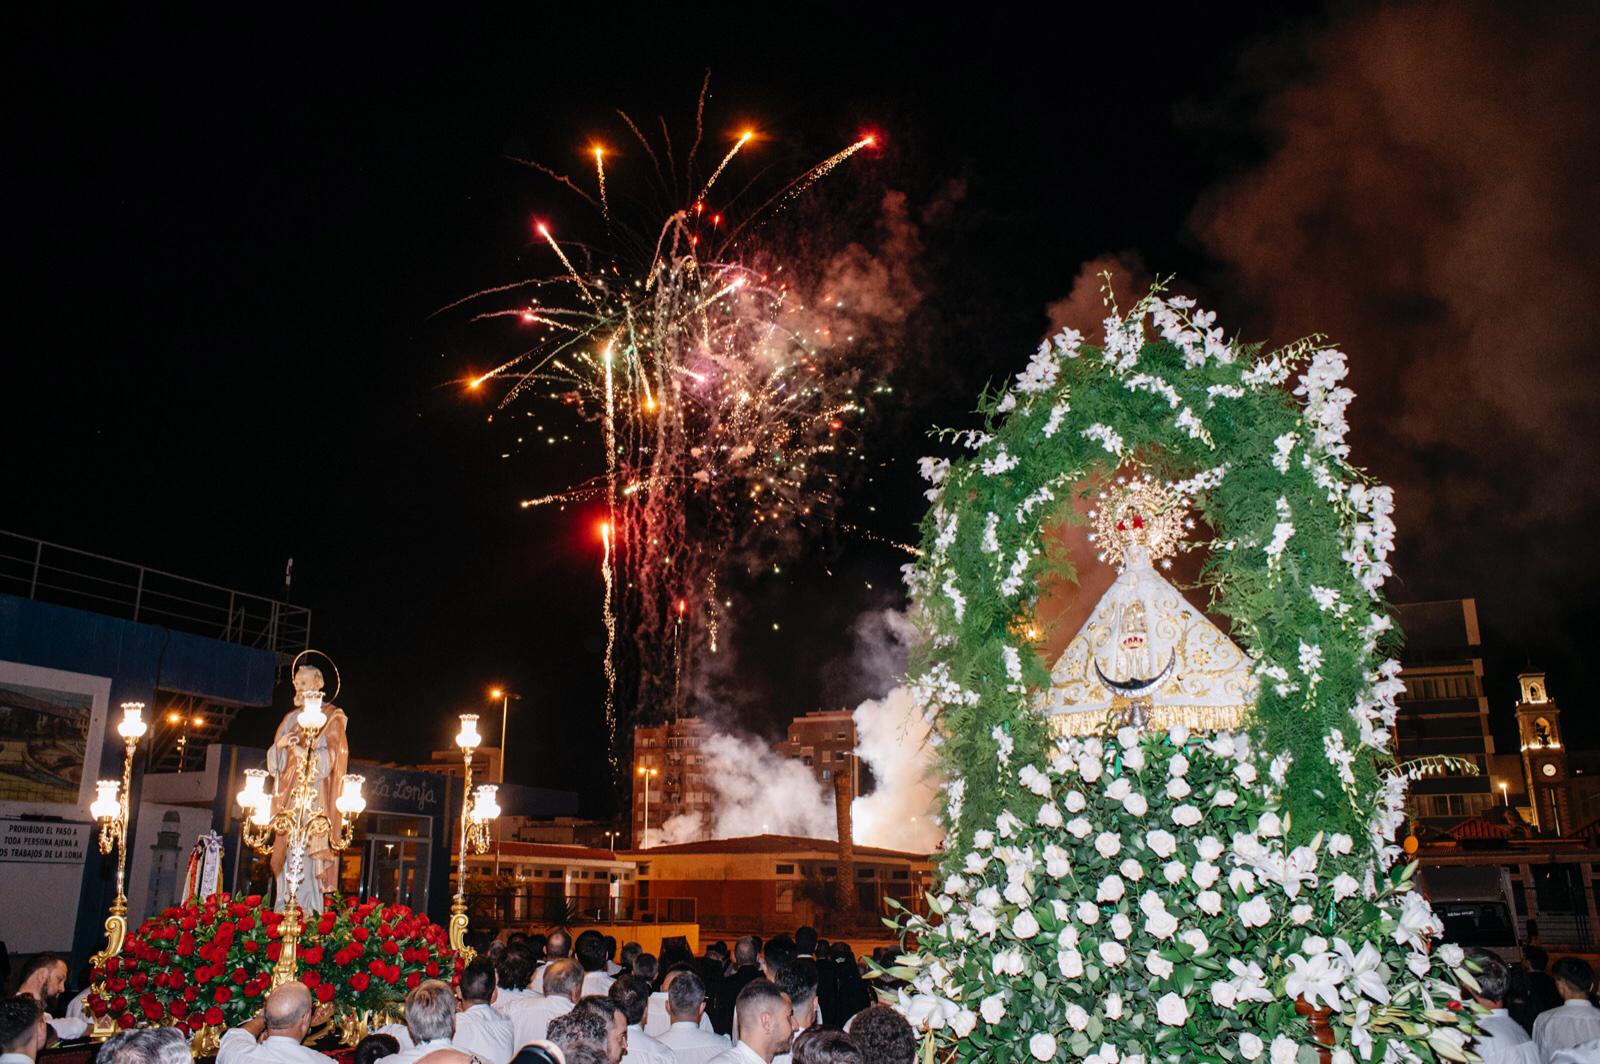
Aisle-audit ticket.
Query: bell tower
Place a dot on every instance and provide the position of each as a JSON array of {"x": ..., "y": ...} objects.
[{"x": 1544, "y": 755}]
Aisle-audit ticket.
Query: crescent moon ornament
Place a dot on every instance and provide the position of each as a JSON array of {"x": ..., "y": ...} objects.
[{"x": 1136, "y": 688}]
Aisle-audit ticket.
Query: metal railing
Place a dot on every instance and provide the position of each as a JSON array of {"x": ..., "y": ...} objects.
[
  {"x": 65, "y": 576},
  {"x": 530, "y": 906}
]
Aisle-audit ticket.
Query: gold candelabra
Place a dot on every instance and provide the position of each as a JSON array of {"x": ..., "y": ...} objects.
[
  {"x": 478, "y": 809},
  {"x": 298, "y": 821},
  {"x": 111, "y": 807}
]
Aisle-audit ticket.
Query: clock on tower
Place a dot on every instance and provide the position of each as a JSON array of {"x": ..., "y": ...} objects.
[{"x": 1544, "y": 756}]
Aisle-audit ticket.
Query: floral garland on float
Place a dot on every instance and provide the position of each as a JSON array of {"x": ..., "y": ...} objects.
[
  {"x": 1170, "y": 846},
  {"x": 207, "y": 966}
]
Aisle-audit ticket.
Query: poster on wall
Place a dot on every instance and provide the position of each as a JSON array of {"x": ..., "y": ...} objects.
[
  {"x": 52, "y": 727},
  {"x": 52, "y": 724}
]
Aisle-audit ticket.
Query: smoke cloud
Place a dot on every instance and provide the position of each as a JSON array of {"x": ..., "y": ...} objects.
[
  {"x": 756, "y": 791},
  {"x": 1429, "y": 204}
]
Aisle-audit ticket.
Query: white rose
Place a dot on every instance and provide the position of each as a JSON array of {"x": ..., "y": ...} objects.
[
  {"x": 1255, "y": 912},
  {"x": 1121, "y": 926},
  {"x": 1076, "y": 802},
  {"x": 1269, "y": 825},
  {"x": 1186, "y": 816},
  {"x": 1177, "y": 790},
  {"x": 976, "y": 863},
  {"x": 1133, "y": 760},
  {"x": 1031, "y": 778},
  {"x": 1205, "y": 873},
  {"x": 983, "y": 920},
  {"x": 1173, "y": 871},
  {"x": 1069, "y": 934},
  {"x": 1088, "y": 913},
  {"x": 1007, "y": 962},
  {"x": 1301, "y": 914},
  {"x": 1112, "y": 952},
  {"x": 1090, "y": 768},
  {"x": 963, "y": 1022},
  {"x": 1452, "y": 954},
  {"x": 1178, "y": 766},
  {"x": 1224, "y": 995},
  {"x": 1177, "y": 735},
  {"x": 1157, "y": 965},
  {"x": 1284, "y": 1051},
  {"x": 993, "y": 1008},
  {"x": 955, "y": 885},
  {"x": 1250, "y": 1046},
  {"x": 1344, "y": 886},
  {"x": 1210, "y": 902},
  {"x": 1241, "y": 879},
  {"x": 1128, "y": 737},
  {"x": 1070, "y": 961},
  {"x": 1224, "y": 798},
  {"x": 1107, "y": 844},
  {"x": 1313, "y": 945},
  {"x": 1017, "y": 894},
  {"x": 1042, "y": 1046},
  {"x": 1025, "y": 926},
  {"x": 1209, "y": 848},
  {"x": 1196, "y": 940},
  {"x": 1135, "y": 804},
  {"x": 1111, "y": 889},
  {"x": 1161, "y": 842},
  {"x": 988, "y": 897},
  {"x": 1172, "y": 1010},
  {"x": 1077, "y": 1017},
  {"x": 1246, "y": 774},
  {"x": 1161, "y": 925},
  {"x": 1418, "y": 963},
  {"x": 1056, "y": 862},
  {"x": 1119, "y": 788},
  {"x": 1340, "y": 844},
  {"x": 1048, "y": 816},
  {"x": 982, "y": 839},
  {"x": 1131, "y": 869},
  {"x": 1079, "y": 827}
]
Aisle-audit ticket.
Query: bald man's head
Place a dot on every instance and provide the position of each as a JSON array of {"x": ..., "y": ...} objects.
[{"x": 288, "y": 1011}]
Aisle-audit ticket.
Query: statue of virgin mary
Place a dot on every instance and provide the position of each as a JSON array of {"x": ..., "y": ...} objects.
[{"x": 1145, "y": 655}]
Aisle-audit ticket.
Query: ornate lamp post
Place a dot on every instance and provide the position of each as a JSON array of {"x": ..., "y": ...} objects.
[
  {"x": 478, "y": 808},
  {"x": 111, "y": 808},
  {"x": 300, "y": 820}
]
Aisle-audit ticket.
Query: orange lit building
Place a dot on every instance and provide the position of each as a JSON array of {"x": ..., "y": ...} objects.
[{"x": 667, "y": 759}]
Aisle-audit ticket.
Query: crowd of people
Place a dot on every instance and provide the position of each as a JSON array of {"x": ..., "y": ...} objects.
[{"x": 555, "y": 999}]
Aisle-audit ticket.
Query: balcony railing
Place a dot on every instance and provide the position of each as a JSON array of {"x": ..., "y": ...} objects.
[{"x": 49, "y": 572}]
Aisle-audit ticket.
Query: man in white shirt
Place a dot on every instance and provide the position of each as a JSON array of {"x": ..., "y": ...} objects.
[
  {"x": 430, "y": 1012},
  {"x": 766, "y": 1024},
  {"x": 22, "y": 1030},
  {"x": 1500, "y": 1040},
  {"x": 43, "y": 978},
  {"x": 590, "y": 949},
  {"x": 285, "y": 1020},
  {"x": 1574, "y": 1021},
  {"x": 690, "y": 1035},
  {"x": 530, "y": 1017},
  {"x": 798, "y": 980},
  {"x": 1588, "y": 1053},
  {"x": 480, "y": 1030},
  {"x": 631, "y": 994},
  {"x": 512, "y": 973},
  {"x": 658, "y": 1018},
  {"x": 556, "y": 948}
]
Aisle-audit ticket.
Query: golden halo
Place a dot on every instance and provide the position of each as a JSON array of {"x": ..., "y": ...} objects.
[{"x": 1138, "y": 510}]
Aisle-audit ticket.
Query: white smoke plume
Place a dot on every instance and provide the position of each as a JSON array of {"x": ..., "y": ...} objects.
[{"x": 756, "y": 791}]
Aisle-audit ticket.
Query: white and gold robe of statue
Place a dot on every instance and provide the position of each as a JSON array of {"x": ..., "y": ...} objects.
[{"x": 1144, "y": 643}]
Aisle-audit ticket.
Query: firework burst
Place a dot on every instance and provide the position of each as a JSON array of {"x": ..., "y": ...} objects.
[{"x": 725, "y": 381}]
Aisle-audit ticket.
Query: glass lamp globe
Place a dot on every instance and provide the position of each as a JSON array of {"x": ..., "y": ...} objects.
[
  {"x": 468, "y": 738},
  {"x": 311, "y": 715},
  {"x": 106, "y": 804},
  {"x": 132, "y": 725},
  {"x": 350, "y": 801},
  {"x": 485, "y": 806}
]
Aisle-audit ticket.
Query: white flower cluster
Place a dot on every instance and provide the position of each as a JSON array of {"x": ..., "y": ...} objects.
[
  {"x": 1326, "y": 401},
  {"x": 1194, "y": 331},
  {"x": 1043, "y": 367},
  {"x": 1124, "y": 340},
  {"x": 1012, "y": 584},
  {"x": 1283, "y": 531},
  {"x": 1106, "y": 436},
  {"x": 1156, "y": 881},
  {"x": 1204, "y": 480},
  {"x": 999, "y": 462},
  {"x": 1372, "y": 540},
  {"x": 1052, "y": 424}
]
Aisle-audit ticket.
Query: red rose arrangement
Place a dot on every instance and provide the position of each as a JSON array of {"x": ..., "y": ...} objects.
[{"x": 210, "y": 964}]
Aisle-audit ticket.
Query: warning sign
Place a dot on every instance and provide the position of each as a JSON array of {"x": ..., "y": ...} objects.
[{"x": 43, "y": 842}]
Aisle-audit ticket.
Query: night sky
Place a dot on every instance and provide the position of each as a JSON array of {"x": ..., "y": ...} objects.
[{"x": 227, "y": 242}]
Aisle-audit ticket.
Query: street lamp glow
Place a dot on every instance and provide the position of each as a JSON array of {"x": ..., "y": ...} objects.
[
  {"x": 311, "y": 716},
  {"x": 351, "y": 802},
  {"x": 106, "y": 804},
  {"x": 133, "y": 725},
  {"x": 495, "y": 692},
  {"x": 254, "y": 795},
  {"x": 468, "y": 738},
  {"x": 484, "y": 804}
]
